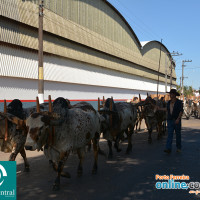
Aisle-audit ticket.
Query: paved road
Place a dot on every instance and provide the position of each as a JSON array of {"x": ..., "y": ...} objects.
[{"x": 124, "y": 177}]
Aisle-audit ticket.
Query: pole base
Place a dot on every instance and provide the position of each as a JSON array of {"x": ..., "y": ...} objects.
[{"x": 41, "y": 98}]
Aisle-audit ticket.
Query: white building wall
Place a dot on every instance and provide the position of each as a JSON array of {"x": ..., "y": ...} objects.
[
  {"x": 26, "y": 89},
  {"x": 67, "y": 78}
]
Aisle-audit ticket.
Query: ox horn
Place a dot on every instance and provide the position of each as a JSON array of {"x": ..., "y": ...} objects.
[
  {"x": 140, "y": 98},
  {"x": 98, "y": 104},
  {"x": 52, "y": 119},
  {"x": 37, "y": 105},
  {"x": 19, "y": 122}
]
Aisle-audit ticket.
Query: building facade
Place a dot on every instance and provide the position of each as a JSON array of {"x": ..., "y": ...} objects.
[{"x": 90, "y": 51}]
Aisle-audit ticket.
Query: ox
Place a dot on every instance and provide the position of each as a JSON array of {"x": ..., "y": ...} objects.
[
  {"x": 119, "y": 118},
  {"x": 74, "y": 129},
  {"x": 187, "y": 108},
  {"x": 196, "y": 109},
  {"x": 15, "y": 138},
  {"x": 153, "y": 117}
]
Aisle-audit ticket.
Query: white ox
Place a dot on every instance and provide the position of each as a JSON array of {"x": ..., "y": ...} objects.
[{"x": 74, "y": 129}]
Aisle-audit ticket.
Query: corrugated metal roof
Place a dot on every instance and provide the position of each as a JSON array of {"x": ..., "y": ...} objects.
[{"x": 63, "y": 31}]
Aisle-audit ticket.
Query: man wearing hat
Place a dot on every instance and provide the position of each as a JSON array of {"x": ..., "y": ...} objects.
[{"x": 174, "y": 113}]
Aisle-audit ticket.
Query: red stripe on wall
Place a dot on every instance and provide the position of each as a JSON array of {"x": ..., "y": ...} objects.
[{"x": 1, "y": 101}]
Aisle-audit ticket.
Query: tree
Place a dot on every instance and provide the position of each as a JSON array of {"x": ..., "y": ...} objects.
[{"x": 188, "y": 91}]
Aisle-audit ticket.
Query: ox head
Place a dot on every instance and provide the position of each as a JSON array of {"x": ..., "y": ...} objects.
[
  {"x": 149, "y": 110},
  {"x": 15, "y": 108},
  {"x": 149, "y": 107},
  {"x": 61, "y": 105},
  {"x": 38, "y": 127},
  {"x": 110, "y": 114},
  {"x": 109, "y": 105}
]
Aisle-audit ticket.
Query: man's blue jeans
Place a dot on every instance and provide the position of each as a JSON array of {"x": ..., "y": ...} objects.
[{"x": 171, "y": 128}]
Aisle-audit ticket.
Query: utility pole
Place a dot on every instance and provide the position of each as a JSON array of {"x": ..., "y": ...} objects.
[
  {"x": 183, "y": 61},
  {"x": 40, "y": 54},
  {"x": 166, "y": 72},
  {"x": 171, "y": 65},
  {"x": 159, "y": 70}
]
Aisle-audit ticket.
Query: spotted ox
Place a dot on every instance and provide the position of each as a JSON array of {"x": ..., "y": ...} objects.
[
  {"x": 153, "y": 118},
  {"x": 16, "y": 137},
  {"x": 120, "y": 119},
  {"x": 74, "y": 128}
]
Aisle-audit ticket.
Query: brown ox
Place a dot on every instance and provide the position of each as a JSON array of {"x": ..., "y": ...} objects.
[
  {"x": 119, "y": 118},
  {"x": 15, "y": 138},
  {"x": 153, "y": 118}
]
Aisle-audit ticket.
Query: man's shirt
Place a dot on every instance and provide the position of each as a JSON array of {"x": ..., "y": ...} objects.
[{"x": 178, "y": 107}]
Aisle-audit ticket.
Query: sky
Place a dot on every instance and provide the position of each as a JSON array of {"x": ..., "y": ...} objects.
[{"x": 176, "y": 22}]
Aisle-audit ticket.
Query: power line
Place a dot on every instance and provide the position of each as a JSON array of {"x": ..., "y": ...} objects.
[
  {"x": 120, "y": 50},
  {"x": 139, "y": 28},
  {"x": 183, "y": 66},
  {"x": 190, "y": 68},
  {"x": 10, "y": 4},
  {"x": 52, "y": 20},
  {"x": 146, "y": 27}
]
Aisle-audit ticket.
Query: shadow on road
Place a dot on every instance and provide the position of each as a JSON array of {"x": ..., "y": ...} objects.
[{"x": 124, "y": 177}]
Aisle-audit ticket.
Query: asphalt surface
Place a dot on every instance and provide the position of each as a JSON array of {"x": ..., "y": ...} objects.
[{"x": 123, "y": 177}]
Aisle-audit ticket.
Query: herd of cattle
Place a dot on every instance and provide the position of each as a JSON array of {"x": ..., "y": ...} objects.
[
  {"x": 61, "y": 128},
  {"x": 192, "y": 107}
]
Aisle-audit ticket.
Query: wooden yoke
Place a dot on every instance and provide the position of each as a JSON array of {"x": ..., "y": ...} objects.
[
  {"x": 99, "y": 103},
  {"x": 52, "y": 132},
  {"x": 103, "y": 102},
  {"x": 50, "y": 104},
  {"x": 37, "y": 105},
  {"x": 110, "y": 108},
  {"x": 6, "y": 121},
  {"x": 99, "y": 106},
  {"x": 139, "y": 98}
]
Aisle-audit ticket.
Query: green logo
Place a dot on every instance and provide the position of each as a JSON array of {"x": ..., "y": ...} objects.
[{"x": 7, "y": 180}]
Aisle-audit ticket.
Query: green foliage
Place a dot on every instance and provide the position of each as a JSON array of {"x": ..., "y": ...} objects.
[{"x": 188, "y": 90}]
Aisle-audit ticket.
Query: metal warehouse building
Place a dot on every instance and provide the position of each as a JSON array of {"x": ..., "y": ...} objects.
[{"x": 89, "y": 51}]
